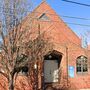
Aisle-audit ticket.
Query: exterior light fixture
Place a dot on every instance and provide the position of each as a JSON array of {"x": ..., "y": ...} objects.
[
  {"x": 35, "y": 66},
  {"x": 50, "y": 56}
]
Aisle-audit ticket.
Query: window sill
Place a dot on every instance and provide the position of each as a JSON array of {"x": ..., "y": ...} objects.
[{"x": 82, "y": 73}]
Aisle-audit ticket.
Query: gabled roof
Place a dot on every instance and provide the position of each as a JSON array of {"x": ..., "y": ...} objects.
[{"x": 59, "y": 30}]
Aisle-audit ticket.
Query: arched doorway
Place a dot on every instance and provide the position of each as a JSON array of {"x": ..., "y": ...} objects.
[{"x": 51, "y": 67}]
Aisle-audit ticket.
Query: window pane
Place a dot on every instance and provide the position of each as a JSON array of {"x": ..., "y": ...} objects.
[
  {"x": 81, "y": 64},
  {"x": 85, "y": 68},
  {"x": 78, "y": 69}
]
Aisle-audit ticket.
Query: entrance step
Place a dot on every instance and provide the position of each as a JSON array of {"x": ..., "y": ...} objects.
[
  {"x": 48, "y": 87},
  {"x": 55, "y": 87}
]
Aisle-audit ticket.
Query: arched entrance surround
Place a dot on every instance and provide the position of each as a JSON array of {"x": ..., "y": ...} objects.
[{"x": 51, "y": 67}]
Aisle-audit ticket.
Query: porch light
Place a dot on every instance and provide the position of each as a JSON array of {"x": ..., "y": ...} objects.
[
  {"x": 50, "y": 56},
  {"x": 35, "y": 66}
]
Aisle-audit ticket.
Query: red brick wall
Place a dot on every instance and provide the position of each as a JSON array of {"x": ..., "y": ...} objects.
[{"x": 63, "y": 39}]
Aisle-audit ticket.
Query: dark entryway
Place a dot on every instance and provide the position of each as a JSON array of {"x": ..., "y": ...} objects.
[{"x": 51, "y": 67}]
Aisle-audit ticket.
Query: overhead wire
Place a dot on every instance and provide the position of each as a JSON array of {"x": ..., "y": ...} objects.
[
  {"x": 77, "y": 3},
  {"x": 78, "y": 24},
  {"x": 50, "y": 14},
  {"x": 81, "y": 18}
]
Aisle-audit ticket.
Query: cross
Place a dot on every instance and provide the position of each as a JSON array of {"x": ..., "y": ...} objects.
[{"x": 43, "y": 0}]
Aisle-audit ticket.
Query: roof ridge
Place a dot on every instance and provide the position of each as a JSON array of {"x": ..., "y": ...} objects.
[{"x": 39, "y": 5}]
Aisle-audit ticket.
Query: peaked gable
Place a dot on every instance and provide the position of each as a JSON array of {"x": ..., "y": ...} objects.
[{"x": 45, "y": 12}]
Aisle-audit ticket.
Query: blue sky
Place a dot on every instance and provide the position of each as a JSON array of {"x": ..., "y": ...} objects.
[{"x": 69, "y": 9}]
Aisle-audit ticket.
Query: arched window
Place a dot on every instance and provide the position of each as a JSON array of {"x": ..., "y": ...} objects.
[{"x": 81, "y": 64}]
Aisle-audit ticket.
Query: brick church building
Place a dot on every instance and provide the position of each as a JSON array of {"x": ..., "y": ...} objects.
[
  {"x": 68, "y": 65},
  {"x": 68, "y": 55}
]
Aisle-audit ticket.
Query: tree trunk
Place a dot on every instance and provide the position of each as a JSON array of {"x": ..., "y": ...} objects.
[{"x": 11, "y": 82}]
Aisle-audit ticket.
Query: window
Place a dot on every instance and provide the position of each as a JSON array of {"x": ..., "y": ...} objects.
[
  {"x": 81, "y": 64},
  {"x": 24, "y": 70},
  {"x": 44, "y": 17}
]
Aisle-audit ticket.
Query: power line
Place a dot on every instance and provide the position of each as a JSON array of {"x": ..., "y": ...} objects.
[
  {"x": 77, "y": 3},
  {"x": 66, "y": 16},
  {"x": 79, "y": 24},
  {"x": 81, "y": 18}
]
